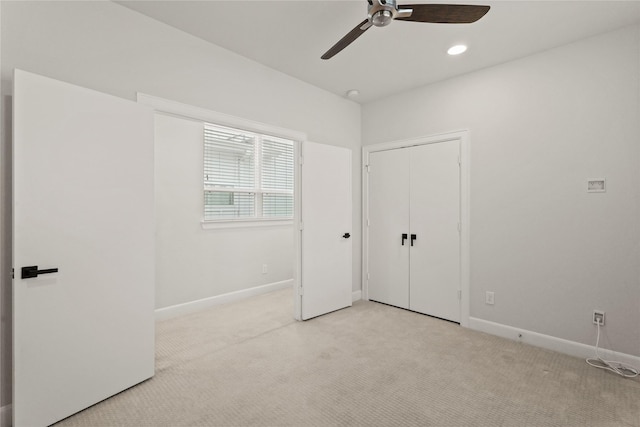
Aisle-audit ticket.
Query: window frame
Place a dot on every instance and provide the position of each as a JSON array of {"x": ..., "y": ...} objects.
[
  {"x": 189, "y": 112},
  {"x": 257, "y": 190}
]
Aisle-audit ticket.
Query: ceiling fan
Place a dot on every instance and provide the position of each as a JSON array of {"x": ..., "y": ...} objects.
[{"x": 382, "y": 12}]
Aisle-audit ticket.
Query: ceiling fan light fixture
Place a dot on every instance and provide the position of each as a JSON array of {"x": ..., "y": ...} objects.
[
  {"x": 382, "y": 18},
  {"x": 457, "y": 49}
]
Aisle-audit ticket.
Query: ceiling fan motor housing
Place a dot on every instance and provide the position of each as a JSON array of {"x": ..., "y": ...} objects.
[{"x": 382, "y": 12}]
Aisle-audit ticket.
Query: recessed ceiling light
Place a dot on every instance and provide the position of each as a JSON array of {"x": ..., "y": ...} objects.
[{"x": 457, "y": 49}]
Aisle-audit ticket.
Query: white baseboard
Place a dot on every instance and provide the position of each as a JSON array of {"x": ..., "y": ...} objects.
[
  {"x": 549, "y": 342},
  {"x": 356, "y": 296},
  {"x": 193, "y": 306},
  {"x": 5, "y": 416}
]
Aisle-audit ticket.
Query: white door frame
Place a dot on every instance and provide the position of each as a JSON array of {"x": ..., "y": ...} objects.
[
  {"x": 297, "y": 232},
  {"x": 166, "y": 106},
  {"x": 178, "y": 109},
  {"x": 463, "y": 137}
]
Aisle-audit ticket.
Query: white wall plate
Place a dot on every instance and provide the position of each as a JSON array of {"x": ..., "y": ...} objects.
[{"x": 598, "y": 185}]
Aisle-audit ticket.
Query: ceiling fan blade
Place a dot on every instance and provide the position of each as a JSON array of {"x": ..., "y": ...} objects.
[
  {"x": 348, "y": 39},
  {"x": 443, "y": 13}
]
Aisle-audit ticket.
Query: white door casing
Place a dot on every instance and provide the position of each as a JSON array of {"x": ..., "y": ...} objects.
[
  {"x": 326, "y": 218},
  {"x": 414, "y": 192},
  {"x": 83, "y": 203},
  {"x": 455, "y": 141}
]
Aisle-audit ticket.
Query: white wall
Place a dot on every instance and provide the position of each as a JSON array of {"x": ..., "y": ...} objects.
[
  {"x": 539, "y": 128},
  {"x": 106, "y": 47},
  {"x": 193, "y": 263}
]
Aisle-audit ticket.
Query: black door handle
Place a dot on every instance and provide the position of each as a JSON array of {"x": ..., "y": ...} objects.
[
  {"x": 413, "y": 237},
  {"x": 404, "y": 237},
  {"x": 32, "y": 271},
  {"x": 346, "y": 235}
]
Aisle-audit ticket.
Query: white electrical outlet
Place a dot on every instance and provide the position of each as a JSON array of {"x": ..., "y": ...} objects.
[
  {"x": 264, "y": 268},
  {"x": 489, "y": 298},
  {"x": 598, "y": 317}
]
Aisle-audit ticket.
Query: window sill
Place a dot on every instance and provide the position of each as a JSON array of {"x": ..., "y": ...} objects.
[{"x": 245, "y": 223}]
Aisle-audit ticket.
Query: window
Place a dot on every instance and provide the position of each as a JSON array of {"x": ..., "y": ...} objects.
[{"x": 246, "y": 175}]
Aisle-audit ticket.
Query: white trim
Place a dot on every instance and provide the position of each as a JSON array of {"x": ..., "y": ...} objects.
[
  {"x": 465, "y": 232},
  {"x": 463, "y": 137},
  {"x": 356, "y": 296},
  {"x": 548, "y": 342},
  {"x": 297, "y": 220},
  {"x": 243, "y": 223},
  {"x": 6, "y": 413},
  {"x": 421, "y": 140},
  {"x": 365, "y": 223},
  {"x": 162, "y": 105},
  {"x": 201, "y": 304}
]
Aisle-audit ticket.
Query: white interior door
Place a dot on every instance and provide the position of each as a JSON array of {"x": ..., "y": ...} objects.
[
  {"x": 83, "y": 203},
  {"x": 326, "y": 201},
  {"x": 388, "y": 221},
  {"x": 435, "y": 215}
]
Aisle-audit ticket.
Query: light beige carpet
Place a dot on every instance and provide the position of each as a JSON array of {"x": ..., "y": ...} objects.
[{"x": 250, "y": 364}]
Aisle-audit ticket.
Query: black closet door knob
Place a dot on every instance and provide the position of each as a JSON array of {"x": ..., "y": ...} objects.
[
  {"x": 413, "y": 237},
  {"x": 346, "y": 235},
  {"x": 404, "y": 237}
]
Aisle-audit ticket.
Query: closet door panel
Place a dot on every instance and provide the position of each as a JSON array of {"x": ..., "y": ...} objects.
[
  {"x": 388, "y": 220},
  {"x": 435, "y": 215}
]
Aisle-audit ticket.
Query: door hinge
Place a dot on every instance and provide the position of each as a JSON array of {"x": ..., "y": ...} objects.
[
  {"x": 300, "y": 291},
  {"x": 459, "y": 161},
  {"x": 459, "y": 227},
  {"x": 368, "y": 168},
  {"x": 368, "y": 276},
  {"x": 13, "y": 274},
  {"x": 368, "y": 222},
  {"x": 301, "y": 226},
  {"x": 459, "y": 295},
  {"x": 301, "y": 160}
]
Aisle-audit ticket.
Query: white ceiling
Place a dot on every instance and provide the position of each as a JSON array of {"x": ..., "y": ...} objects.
[{"x": 290, "y": 36}]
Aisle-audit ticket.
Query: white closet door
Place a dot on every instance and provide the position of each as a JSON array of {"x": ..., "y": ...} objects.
[
  {"x": 435, "y": 215},
  {"x": 83, "y": 203},
  {"x": 388, "y": 220},
  {"x": 326, "y": 277}
]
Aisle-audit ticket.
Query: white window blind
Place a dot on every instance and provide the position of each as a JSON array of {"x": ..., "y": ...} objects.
[
  {"x": 246, "y": 175},
  {"x": 277, "y": 177},
  {"x": 229, "y": 158}
]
